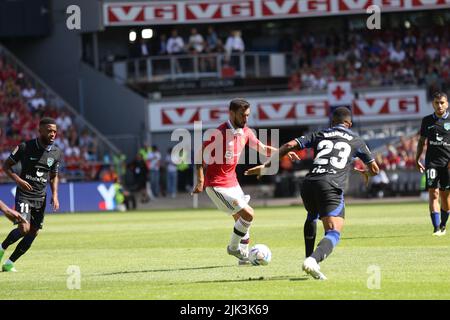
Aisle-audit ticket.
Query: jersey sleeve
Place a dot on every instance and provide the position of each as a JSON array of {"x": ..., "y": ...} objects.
[
  {"x": 363, "y": 152},
  {"x": 18, "y": 153},
  {"x": 306, "y": 141},
  {"x": 423, "y": 129},
  {"x": 252, "y": 140},
  {"x": 55, "y": 167}
]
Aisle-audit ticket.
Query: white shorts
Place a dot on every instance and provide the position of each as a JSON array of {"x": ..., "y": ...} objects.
[{"x": 229, "y": 200}]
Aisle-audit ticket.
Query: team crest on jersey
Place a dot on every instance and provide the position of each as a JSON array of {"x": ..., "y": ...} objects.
[
  {"x": 447, "y": 126},
  {"x": 50, "y": 161}
]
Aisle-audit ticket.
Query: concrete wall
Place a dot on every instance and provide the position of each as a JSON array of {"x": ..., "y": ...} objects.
[
  {"x": 119, "y": 113},
  {"x": 56, "y": 59}
]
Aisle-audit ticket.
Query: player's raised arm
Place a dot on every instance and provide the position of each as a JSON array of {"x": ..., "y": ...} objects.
[
  {"x": 276, "y": 156},
  {"x": 366, "y": 156},
  {"x": 267, "y": 150},
  {"x": 372, "y": 170}
]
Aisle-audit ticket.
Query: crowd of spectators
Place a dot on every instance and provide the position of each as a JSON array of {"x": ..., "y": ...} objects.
[
  {"x": 151, "y": 175},
  {"x": 192, "y": 44},
  {"x": 418, "y": 56},
  {"x": 22, "y": 105},
  {"x": 195, "y": 43},
  {"x": 386, "y": 57}
]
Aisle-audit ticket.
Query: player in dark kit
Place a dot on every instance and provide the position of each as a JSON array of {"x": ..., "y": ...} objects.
[
  {"x": 39, "y": 160},
  {"x": 323, "y": 188},
  {"x": 435, "y": 129}
]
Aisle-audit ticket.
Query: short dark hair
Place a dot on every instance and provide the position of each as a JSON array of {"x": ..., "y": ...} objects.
[
  {"x": 239, "y": 103},
  {"x": 342, "y": 114},
  {"x": 439, "y": 94},
  {"x": 46, "y": 121}
]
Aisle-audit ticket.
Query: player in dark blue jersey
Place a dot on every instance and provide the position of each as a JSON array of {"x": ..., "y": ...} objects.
[
  {"x": 39, "y": 160},
  {"x": 323, "y": 189},
  {"x": 435, "y": 129}
]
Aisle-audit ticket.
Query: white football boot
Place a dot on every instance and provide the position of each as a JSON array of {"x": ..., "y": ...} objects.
[
  {"x": 238, "y": 253},
  {"x": 310, "y": 266}
]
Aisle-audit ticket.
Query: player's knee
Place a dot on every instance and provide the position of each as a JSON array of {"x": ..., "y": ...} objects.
[
  {"x": 24, "y": 228},
  {"x": 434, "y": 194},
  {"x": 334, "y": 236},
  {"x": 247, "y": 213}
]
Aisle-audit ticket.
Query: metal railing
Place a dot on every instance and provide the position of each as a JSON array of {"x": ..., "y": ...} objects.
[{"x": 198, "y": 66}]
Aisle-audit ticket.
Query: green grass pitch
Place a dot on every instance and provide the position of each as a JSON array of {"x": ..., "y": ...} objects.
[{"x": 182, "y": 255}]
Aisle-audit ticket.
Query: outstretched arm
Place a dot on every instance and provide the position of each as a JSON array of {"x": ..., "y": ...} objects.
[
  {"x": 269, "y": 150},
  {"x": 284, "y": 150},
  {"x": 372, "y": 170}
]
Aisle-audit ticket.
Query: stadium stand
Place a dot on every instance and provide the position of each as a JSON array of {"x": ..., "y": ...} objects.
[
  {"x": 279, "y": 59},
  {"x": 24, "y": 99},
  {"x": 417, "y": 56}
]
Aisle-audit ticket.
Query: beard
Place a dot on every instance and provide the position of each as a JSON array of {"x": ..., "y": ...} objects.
[{"x": 240, "y": 125}]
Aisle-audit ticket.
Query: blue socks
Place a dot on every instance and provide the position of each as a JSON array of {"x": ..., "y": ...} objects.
[
  {"x": 326, "y": 245},
  {"x": 435, "y": 220},
  {"x": 334, "y": 236}
]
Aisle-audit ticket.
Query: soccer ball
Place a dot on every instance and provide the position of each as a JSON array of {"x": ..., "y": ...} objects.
[{"x": 260, "y": 255}]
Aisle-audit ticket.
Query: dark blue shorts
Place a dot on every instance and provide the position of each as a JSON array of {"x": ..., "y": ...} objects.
[
  {"x": 322, "y": 199},
  {"x": 438, "y": 177},
  {"x": 32, "y": 210}
]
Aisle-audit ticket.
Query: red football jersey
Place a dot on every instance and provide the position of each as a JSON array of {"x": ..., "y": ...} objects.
[{"x": 229, "y": 143}]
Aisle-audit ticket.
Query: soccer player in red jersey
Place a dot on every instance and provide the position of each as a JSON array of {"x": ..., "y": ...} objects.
[{"x": 220, "y": 181}]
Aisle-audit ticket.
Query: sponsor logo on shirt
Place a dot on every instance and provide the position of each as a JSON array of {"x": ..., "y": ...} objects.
[{"x": 50, "y": 161}]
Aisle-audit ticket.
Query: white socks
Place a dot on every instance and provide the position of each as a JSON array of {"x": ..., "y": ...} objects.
[
  {"x": 240, "y": 231},
  {"x": 244, "y": 241}
]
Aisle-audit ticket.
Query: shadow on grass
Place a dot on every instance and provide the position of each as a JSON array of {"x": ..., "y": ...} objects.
[
  {"x": 163, "y": 270},
  {"x": 275, "y": 278},
  {"x": 380, "y": 237}
]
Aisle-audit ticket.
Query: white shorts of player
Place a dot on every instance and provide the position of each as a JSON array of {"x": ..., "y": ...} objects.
[{"x": 229, "y": 200}]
